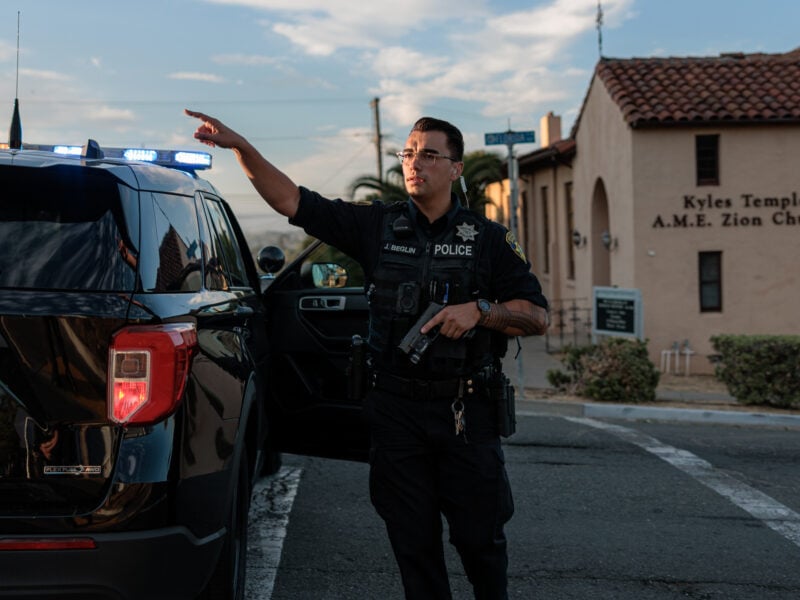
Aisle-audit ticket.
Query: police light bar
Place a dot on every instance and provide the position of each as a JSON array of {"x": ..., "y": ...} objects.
[
  {"x": 68, "y": 150},
  {"x": 140, "y": 154},
  {"x": 177, "y": 159}
]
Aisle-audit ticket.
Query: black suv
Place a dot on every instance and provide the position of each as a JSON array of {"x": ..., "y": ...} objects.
[{"x": 147, "y": 373}]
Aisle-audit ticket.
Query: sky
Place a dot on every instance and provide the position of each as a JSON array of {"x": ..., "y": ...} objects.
[{"x": 298, "y": 77}]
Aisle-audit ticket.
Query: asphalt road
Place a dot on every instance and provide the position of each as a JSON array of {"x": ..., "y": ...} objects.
[{"x": 622, "y": 510}]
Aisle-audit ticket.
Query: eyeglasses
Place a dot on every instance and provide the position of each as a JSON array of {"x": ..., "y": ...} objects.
[{"x": 425, "y": 157}]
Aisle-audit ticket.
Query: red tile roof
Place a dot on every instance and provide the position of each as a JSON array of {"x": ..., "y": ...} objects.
[
  {"x": 560, "y": 152},
  {"x": 729, "y": 89}
]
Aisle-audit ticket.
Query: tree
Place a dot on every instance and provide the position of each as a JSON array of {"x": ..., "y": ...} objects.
[
  {"x": 480, "y": 169},
  {"x": 391, "y": 189}
]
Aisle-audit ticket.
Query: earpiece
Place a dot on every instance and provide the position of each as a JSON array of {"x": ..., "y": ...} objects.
[{"x": 464, "y": 189}]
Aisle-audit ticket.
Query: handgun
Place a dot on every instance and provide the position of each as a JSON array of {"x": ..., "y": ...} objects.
[{"x": 415, "y": 343}]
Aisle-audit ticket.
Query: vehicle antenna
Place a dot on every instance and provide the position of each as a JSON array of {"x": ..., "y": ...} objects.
[{"x": 15, "y": 134}]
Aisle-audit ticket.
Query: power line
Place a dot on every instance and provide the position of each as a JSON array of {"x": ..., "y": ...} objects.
[{"x": 204, "y": 101}]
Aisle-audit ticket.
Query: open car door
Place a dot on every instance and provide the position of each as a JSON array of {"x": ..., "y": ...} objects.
[{"x": 314, "y": 308}]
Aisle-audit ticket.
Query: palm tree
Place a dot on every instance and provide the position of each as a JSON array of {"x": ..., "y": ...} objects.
[
  {"x": 390, "y": 189},
  {"x": 480, "y": 169}
]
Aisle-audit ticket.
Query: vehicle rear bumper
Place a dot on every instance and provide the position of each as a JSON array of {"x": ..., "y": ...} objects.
[{"x": 168, "y": 563}]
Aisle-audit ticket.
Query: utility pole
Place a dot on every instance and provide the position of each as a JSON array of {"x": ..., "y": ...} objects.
[
  {"x": 508, "y": 139},
  {"x": 378, "y": 138}
]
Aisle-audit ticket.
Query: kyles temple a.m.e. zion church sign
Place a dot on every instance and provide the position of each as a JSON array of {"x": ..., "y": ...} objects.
[{"x": 746, "y": 210}]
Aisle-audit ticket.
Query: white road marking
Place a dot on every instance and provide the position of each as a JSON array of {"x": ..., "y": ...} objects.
[
  {"x": 270, "y": 506},
  {"x": 772, "y": 513}
]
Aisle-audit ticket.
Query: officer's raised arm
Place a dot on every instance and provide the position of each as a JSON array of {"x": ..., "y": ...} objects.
[{"x": 271, "y": 183}]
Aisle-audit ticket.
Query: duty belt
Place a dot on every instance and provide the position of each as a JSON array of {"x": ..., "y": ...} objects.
[{"x": 424, "y": 389}]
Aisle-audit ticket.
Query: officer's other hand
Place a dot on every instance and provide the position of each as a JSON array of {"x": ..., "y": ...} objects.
[
  {"x": 455, "y": 320},
  {"x": 213, "y": 132}
]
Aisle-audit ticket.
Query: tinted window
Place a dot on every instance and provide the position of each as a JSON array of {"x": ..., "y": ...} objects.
[
  {"x": 179, "y": 265},
  {"x": 66, "y": 228},
  {"x": 225, "y": 245}
]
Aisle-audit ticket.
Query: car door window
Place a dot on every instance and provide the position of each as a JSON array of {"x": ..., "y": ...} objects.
[
  {"x": 327, "y": 267},
  {"x": 225, "y": 266}
]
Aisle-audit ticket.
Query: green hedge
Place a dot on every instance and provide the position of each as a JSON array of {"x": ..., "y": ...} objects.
[
  {"x": 760, "y": 369},
  {"x": 615, "y": 370}
]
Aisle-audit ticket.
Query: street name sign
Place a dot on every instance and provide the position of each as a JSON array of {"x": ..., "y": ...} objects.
[{"x": 508, "y": 138}]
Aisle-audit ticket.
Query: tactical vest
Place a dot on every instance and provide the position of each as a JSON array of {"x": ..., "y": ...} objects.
[{"x": 414, "y": 270}]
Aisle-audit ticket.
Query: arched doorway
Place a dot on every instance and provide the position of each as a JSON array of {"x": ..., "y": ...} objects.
[{"x": 601, "y": 259}]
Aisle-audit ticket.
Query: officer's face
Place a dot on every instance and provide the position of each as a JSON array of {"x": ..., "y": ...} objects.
[{"x": 428, "y": 171}]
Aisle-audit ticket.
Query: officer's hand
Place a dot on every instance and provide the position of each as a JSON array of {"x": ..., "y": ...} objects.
[
  {"x": 455, "y": 320},
  {"x": 213, "y": 132}
]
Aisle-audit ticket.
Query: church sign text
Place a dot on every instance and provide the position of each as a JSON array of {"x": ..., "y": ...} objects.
[{"x": 710, "y": 211}]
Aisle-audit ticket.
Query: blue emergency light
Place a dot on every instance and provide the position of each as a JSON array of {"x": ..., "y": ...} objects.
[{"x": 184, "y": 160}]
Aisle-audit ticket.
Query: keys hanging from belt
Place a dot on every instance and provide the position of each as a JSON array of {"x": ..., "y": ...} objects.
[{"x": 458, "y": 408}]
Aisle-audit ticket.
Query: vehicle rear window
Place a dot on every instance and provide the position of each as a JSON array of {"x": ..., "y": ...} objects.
[{"x": 66, "y": 228}]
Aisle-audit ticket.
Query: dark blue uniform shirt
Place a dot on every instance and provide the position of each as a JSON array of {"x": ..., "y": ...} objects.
[{"x": 355, "y": 229}]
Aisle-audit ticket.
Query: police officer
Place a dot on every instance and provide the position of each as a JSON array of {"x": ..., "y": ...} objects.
[{"x": 436, "y": 388}]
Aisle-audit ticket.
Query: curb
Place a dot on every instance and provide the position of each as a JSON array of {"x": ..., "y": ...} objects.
[{"x": 652, "y": 413}]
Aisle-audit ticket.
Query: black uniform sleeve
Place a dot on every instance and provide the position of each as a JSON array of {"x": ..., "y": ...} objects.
[
  {"x": 352, "y": 228},
  {"x": 512, "y": 277}
]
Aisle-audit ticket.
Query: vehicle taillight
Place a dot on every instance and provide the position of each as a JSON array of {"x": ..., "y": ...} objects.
[
  {"x": 17, "y": 544},
  {"x": 148, "y": 366}
]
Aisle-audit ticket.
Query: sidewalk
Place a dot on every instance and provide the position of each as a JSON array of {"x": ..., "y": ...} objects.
[{"x": 533, "y": 362}]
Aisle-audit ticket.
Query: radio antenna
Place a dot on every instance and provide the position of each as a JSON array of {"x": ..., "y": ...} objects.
[
  {"x": 15, "y": 133},
  {"x": 16, "y": 89}
]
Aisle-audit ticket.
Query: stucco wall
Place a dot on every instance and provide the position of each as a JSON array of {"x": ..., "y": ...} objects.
[
  {"x": 661, "y": 220},
  {"x": 760, "y": 240},
  {"x": 604, "y": 155}
]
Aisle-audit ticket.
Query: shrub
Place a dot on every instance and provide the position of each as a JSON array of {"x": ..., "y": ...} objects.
[
  {"x": 760, "y": 369},
  {"x": 615, "y": 370}
]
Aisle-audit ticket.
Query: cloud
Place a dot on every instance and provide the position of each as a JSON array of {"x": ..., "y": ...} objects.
[
  {"x": 248, "y": 60},
  {"x": 510, "y": 63},
  {"x": 108, "y": 113},
  {"x": 321, "y": 27},
  {"x": 43, "y": 75},
  {"x": 194, "y": 76},
  {"x": 7, "y": 51},
  {"x": 407, "y": 63},
  {"x": 338, "y": 158}
]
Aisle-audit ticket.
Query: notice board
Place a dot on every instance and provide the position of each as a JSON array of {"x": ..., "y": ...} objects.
[{"x": 617, "y": 312}]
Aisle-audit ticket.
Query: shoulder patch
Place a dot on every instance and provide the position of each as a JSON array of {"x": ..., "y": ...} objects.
[{"x": 512, "y": 241}]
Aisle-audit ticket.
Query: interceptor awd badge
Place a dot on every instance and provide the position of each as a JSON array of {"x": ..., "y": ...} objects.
[
  {"x": 512, "y": 241},
  {"x": 72, "y": 470}
]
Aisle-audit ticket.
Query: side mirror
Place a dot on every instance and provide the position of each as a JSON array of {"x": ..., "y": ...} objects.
[{"x": 271, "y": 259}]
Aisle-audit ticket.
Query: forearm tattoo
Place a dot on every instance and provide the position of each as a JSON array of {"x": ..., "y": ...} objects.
[{"x": 501, "y": 318}]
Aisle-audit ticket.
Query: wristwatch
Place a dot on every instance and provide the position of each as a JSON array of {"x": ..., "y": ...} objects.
[{"x": 485, "y": 308}]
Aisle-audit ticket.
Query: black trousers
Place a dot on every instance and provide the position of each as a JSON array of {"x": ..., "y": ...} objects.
[{"x": 419, "y": 470}]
